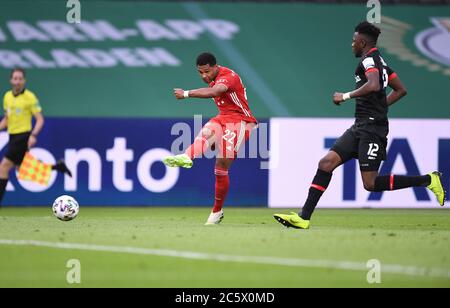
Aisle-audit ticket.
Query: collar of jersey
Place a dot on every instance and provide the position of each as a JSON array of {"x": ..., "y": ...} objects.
[
  {"x": 372, "y": 50},
  {"x": 23, "y": 91}
]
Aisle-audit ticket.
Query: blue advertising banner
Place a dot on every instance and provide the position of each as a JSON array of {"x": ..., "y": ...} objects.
[{"x": 117, "y": 162}]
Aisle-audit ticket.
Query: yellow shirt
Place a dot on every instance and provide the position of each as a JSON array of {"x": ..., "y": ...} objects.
[{"x": 20, "y": 110}]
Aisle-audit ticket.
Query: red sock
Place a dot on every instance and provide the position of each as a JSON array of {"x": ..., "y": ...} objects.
[
  {"x": 197, "y": 149},
  {"x": 222, "y": 185}
]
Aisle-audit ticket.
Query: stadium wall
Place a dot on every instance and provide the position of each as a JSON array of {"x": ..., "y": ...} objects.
[
  {"x": 415, "y": 147},
  {"x": 120, "y": 164}
]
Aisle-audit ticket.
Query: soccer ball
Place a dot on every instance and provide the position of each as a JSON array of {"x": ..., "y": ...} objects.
[{"x": 66, "y": 208}]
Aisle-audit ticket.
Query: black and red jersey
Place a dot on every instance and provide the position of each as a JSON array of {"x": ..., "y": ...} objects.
[{"x": 374, "y": 105}]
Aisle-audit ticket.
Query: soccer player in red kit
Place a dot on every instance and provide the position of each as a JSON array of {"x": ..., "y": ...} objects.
[{"x": 226, "y": 132}]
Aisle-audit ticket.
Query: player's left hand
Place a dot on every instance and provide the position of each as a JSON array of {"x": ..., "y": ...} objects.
[
  {"x": 179, "y": 93},
  {"x": 338, "y": 98},
  {"x": 32, "y": 141}
]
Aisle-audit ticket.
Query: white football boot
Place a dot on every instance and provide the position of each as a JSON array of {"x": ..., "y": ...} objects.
[{"x": 214, "y": 218}]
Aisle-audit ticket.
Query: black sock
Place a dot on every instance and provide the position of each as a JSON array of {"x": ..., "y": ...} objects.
[
  {"x": 318, "y": 187},
  {"x": 394, "y": 182},
  {"x": 3, "y": 184}
]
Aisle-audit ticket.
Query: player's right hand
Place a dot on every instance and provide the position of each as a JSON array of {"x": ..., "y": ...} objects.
[
  {"x": 338, "y": 98},
  {"x": 179, "y": 93}
]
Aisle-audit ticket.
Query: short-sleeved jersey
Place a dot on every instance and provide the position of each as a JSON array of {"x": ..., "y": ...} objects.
[
  {"x": 232, "y": 103},
  {"x": 20, "y": 110},
  {"x": 374, "y": 105}
]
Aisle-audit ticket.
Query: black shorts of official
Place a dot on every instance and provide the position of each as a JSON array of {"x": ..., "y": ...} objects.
[
  {"x": 17, "y": 148},
  {"x": 365, "y": 141}
]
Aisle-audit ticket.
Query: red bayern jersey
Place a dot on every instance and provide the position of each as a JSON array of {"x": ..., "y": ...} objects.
[{"x": 233, "y": 103}]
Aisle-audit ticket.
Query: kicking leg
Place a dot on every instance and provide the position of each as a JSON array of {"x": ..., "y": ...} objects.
[{"x": 202, "y": 143}]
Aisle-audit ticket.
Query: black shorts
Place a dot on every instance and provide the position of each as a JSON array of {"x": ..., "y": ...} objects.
[
  {"x": 17, "y": 148},
  {"x": 365, "y": 141}
]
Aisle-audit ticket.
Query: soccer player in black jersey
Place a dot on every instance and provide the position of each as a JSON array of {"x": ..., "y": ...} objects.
[{"x": 366, "y": 139}]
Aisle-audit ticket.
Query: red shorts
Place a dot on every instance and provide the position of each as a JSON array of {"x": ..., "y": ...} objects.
[{"x": 230, "y": 134}]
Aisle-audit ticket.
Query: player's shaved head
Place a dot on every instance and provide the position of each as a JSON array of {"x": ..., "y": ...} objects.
[
  {"x": 206, "y": 58},
  {"x": 369, "y": 31}
]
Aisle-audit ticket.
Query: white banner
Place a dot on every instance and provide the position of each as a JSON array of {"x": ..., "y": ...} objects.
[{"x": 415, "y": 147}]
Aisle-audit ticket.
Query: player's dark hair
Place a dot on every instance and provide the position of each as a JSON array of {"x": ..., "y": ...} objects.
[
  {"x": 206, "y": 58},
  {"x": 18, "y": 69},
  {"x": 368, "y": 29}
]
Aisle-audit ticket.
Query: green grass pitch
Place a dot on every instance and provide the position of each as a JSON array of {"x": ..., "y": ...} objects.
[{"x": 412, "y": 245}]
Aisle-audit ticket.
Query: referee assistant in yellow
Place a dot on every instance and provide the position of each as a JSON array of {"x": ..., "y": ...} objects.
[{"x": 20, "y": 106}]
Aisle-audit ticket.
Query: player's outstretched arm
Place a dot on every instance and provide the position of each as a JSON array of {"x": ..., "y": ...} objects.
[
  {"x": 215, "y": 91},
  {"x": 398, "y": 90},
  {"x": 372, "y": 85}
]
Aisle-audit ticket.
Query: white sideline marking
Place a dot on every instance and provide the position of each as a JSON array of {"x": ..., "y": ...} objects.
[{"x": 324, "y": 264}]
